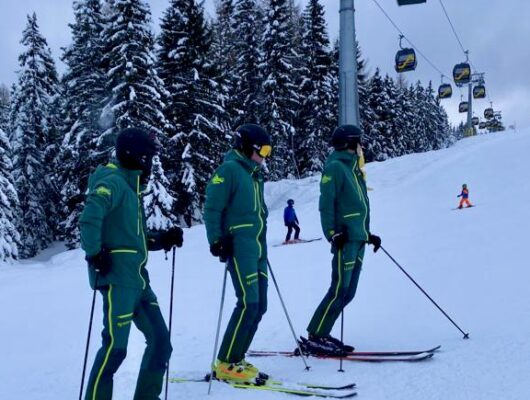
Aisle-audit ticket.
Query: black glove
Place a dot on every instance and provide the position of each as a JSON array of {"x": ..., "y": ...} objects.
[
  {"x": 339, "y": 239},
  {"x": 223, "y": 248},
  {"x": 172, "y": 237},
  {"x": 375, "y": 240},
  {"x": 100, "y": 262}
]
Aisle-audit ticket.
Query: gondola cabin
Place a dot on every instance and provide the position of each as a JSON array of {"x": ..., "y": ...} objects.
[
  {"x": 482, "y": 125},
  {"x": 475, "y": 121},
  {"x": 489, "y": 113},
  {"x": 479, "y": 92},
  {"x": 445, "y": 91},
  {"x": 462, "y": 73},
  {"x": 409, "y": 2},
  {"x": 406, "y": 60},
  {"x": 463, "y": 107}
]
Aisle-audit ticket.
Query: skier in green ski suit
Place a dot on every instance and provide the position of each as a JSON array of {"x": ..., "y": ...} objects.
[
  {"x": 235, "y": 215},
  {"x": 116, "y": 242},
  {"x": 345, "y": 218}
]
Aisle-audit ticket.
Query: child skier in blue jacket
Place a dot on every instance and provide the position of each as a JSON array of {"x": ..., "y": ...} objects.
[{"x": 291, "y": 222}]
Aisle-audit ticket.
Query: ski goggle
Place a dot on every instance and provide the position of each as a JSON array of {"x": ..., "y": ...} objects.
[{"x": 264, "y": 151}]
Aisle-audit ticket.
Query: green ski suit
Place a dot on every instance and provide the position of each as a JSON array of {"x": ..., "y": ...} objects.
[
  {"x": 343, "y": 206},
  {"x": 114, "y": 219},
  {"x": 235, "y": 206}
]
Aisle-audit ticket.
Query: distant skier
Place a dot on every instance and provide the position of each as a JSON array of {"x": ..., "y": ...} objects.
[
  {"x": 345, "y": 218},
  {"x": 116, "y": 243},
  {"x": 464, "y": 197},
  {"x": 291, "y": 222},
  {"x": 235, "y": 216}
]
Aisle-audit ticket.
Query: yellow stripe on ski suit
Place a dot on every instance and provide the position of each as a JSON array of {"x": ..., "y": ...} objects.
[
  {"x": 242, "y": 313},
  {"x": 339, "y": 284},
  {"x": 109, "y": 295}
]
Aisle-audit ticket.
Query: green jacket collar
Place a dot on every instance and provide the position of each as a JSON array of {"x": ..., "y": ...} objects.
[
  {"x": 131, "y": 176},
  {"x": 344, "y": 156},
  {"x": 250, "y": 165}
]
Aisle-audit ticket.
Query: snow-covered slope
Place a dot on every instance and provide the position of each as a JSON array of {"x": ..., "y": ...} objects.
[{"x": 473, "y": 262}]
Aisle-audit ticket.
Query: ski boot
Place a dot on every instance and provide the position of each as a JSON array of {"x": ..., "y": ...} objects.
[
  {"x": 235, "y": 372},
  {"x": 320, "y": 346},
  {"x": 346, "y": 347}
]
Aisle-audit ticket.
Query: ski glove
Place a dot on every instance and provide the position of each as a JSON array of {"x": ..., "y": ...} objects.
[
  {"x": 100, "y": 262},
  {"x": 172, "y": 237},
  {"x": 339, "y": 239},
  {"x": 223, "y": 248},
  {"x": 375, "y": 241}
]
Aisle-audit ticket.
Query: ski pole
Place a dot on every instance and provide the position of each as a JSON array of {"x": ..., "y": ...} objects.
[
  {"x": 341, "y": 336},
  {"x": 307, "y": 367},
  {"x": 170, "y": 313},
  {"x": 341, "y": 316},
  {"x": 88, "y": 336},
  {"x": 218, "y": 329},
  {"x": 466, "y": 335}
]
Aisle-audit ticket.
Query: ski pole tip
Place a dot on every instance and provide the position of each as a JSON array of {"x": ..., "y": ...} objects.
[
  {"x": 308, "y": 368},
  {"x": 466, "y": 336}
]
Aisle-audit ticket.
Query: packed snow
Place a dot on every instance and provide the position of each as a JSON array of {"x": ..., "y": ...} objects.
[{"x": 472, "y": 261}]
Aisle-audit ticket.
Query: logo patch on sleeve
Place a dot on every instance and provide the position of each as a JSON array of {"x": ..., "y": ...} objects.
[
  {"x": 217, "y": 180},
  {"x": 326, "y": 179},
  {"x": 103, "y": 191}
]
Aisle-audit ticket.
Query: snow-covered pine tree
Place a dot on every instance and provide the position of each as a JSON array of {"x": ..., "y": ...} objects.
[
  {"x": 316, "y": 115},
  {"x": 438, "y": 126},
  {"x": 375, "y": 144},
  {"x": 9, "y": 236},
  {"x": 5, "y": 101},
  {"x": 83, "y": 84},
  {"x": 134, "y": 90},
  {"x": 248, "y": 31},
  {"x": 136, "y": 94},
  {"x": 33, "y": 131},
  {"x": 158, "y": 203},
  {"x": 224, "y": 56},
  {"x": 197, "y": 103},
  {"x": 394, "y": 145},
  {"x": 281, "y": 100},
  {"x": 422, "y": 120},
  {"x": 406, "y": 118}
]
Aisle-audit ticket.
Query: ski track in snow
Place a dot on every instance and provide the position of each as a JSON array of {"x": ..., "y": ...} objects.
[{"x": 472, "y": 262}]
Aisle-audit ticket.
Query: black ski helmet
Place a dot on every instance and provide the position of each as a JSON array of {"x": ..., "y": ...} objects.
[
  {"x": 346, "y": 137},
  {"x": 250, "y": 137},
  {"x": 135, "y": 149},
  {"x": 290, "y": 202}
]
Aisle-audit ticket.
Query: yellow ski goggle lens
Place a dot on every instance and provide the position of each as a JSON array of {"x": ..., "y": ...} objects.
[{"x": 265, "y": 151}]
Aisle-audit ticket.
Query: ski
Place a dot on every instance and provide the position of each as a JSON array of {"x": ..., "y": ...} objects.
[
  {"x": 348, "y": 357},
  {"x": 273, "y": 382},
  {"x": 299, "y": 242},
  {"x": 265, "y": 353},
  {"x": 298, "y": 389},
  {"x": 463, "y": 208},
  {"x": 294, "y": 391}
]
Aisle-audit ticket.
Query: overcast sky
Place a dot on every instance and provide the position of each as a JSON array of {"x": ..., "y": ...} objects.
[{"x": 497, "y": 33}]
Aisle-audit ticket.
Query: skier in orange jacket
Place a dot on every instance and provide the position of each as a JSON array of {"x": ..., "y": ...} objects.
[{"x": 465, "y": 197}]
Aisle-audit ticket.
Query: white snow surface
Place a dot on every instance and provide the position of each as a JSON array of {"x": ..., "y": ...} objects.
[{"x": 473, "y": 262}]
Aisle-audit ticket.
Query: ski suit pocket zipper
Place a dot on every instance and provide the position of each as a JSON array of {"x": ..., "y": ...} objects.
[
  {"x": 352, "y": 215},
  {"x": 234, "y": 227},
  {"x": 131, "y": 251}
]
